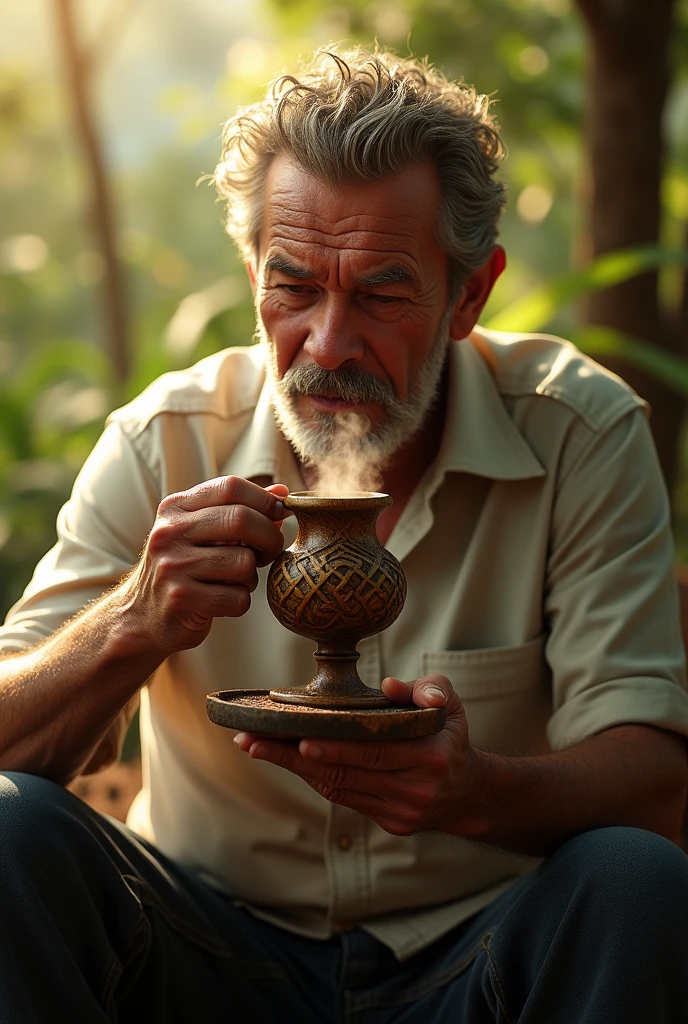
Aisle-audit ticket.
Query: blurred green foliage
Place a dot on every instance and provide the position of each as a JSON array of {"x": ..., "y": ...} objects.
[
  {"x": 56, "y": 386},
  {"x": 188, "y": 292}
]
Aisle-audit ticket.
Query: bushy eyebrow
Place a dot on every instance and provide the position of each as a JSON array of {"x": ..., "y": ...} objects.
[
  {"x": 277, "y": 262},
  {"x": 395, "y": 274}
]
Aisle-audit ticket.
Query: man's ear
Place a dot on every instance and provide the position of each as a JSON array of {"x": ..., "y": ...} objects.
[
  {"x": 475, "y": 293},
  {"x": 251, "y": 271}
]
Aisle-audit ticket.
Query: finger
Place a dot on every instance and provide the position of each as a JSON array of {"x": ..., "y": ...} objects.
[
  {"x": 371, "y": 792},
  {"x": 209, "y": 601},
  {"x": 331, "y": 776},
  {"x": 228, "y": 490},
  {"x": 390, "y": 756},
  {"x": 286, "y": 755},
  {"x": 398, "y": 691},
  {"x": 233, "y": 524},
  {"x": 226, "y": 565}
]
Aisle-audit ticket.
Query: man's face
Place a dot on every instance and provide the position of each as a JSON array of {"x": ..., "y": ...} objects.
[{"x": 352, "y": 282}]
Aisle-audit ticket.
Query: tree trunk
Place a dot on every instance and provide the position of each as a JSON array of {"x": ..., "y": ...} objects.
[
  {"x": 101, "y": 213},
  {"x": 627, "y": 83}
]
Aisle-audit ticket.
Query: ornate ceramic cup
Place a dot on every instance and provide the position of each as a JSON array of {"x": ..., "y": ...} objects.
[{"x": 336, "y": 584}]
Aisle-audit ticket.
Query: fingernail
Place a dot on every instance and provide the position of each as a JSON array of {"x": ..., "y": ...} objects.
[
  {"x": 239, "y": 738},
  {"x": 279, "y": 511},
  {"x": 311, "y": 750},
  {"x": 434, "y": 691}
]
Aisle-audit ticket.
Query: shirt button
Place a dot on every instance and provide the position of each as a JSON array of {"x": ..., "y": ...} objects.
[{"x": 345, "y": 842}]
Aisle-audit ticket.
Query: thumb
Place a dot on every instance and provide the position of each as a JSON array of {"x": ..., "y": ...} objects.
[
  {"x": 280, "y": 491},
  {"x": 432, "y": 691}
]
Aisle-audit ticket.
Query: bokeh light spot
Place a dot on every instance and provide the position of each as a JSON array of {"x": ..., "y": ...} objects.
[
  {"x": 533, "y": 60},
  {"x": 248, "y": 58},
  {"x": 389, "y": 22},
  {"x": 534, "y": 203},
  {"x": 22, "y": 254}
]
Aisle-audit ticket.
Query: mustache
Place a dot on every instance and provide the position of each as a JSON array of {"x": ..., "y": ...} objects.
[{"x": 351, "y": 385}]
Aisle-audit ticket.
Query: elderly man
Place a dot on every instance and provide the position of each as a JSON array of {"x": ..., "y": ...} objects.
[{"x": 521, "y": 865}]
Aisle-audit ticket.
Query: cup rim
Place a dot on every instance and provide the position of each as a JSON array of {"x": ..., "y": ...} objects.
[{"x": 349, "y": 502}]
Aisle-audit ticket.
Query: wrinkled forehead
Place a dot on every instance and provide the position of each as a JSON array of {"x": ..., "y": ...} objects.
[{"x": 394, "y": 215}]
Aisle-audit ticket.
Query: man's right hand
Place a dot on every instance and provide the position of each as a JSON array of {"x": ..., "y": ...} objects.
[{"x": 200, "y": 559}]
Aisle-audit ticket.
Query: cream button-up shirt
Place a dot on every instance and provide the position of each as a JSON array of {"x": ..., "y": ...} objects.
[{"x": 539, "y": 565}]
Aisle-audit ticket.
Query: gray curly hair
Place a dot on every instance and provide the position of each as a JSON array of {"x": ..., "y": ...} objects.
[{"x": 358, "y": 116}]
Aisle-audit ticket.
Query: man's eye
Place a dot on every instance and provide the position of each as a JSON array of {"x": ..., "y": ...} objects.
[
  {"x": 385, "y": 300},
  {"x": 294, "y": 289}
]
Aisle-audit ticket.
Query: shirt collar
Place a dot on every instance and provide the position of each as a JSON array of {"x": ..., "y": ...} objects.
[{"x": 479, "y": 435}]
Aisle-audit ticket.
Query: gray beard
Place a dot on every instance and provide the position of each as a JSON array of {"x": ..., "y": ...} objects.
[{"x": 326, "y": 434}]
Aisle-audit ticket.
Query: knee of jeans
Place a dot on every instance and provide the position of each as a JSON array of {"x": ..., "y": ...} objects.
[
  {"x": 33, "y": 812},
  {"x": 627, "y": 864}
]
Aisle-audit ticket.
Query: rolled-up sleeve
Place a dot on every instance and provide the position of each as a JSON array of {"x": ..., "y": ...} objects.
[{"x": 615, "y": 646}]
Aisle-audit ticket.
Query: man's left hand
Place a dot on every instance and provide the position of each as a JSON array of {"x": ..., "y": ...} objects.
[{"x": 405, "y": 786}]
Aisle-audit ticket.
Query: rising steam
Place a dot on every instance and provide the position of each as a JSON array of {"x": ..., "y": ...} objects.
[{"x": 351, "y": 465}]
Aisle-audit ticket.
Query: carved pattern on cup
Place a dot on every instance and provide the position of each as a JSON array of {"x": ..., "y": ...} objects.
[{"x": 339, "y": 587}]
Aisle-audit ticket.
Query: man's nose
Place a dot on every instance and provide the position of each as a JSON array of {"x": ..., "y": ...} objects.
[{"x": 332, "y": 337}]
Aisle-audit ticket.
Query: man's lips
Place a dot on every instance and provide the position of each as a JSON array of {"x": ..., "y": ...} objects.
[{"x": 331, "y": 402}]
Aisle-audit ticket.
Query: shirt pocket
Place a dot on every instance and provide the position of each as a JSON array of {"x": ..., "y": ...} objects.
[{"x": 506, "y": 692}]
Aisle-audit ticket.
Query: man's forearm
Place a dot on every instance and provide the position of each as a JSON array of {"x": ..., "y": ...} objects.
[
  {"x": 58, "y": 699},
  {"x": 629, "y": 775},
  {"x": 199, "y": 563}
]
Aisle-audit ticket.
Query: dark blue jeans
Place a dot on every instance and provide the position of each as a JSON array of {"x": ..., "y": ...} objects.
[{"x": 97, "y": 926}]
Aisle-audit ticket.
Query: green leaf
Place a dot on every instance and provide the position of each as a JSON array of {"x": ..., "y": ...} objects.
[
  {"x": 666, "y": 367},
  {"x": 55, "y": 360},
  {"x": 534, "y": 311}
]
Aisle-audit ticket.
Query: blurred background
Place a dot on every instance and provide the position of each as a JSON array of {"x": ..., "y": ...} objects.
[{"x": 113, "y": 262}]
